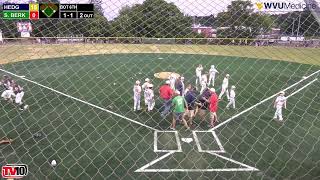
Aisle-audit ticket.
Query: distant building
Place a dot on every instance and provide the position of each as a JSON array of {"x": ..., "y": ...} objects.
[{"x": 206, "y": 31}]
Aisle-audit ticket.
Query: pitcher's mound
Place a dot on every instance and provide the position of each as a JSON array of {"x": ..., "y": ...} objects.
[{"x": 165, "y": 75}]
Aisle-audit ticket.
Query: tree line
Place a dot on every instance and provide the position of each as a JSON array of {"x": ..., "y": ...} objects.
[{"x": 160, "y": 19}]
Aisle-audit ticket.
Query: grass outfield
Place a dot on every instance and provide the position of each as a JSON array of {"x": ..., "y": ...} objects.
[
  {"x": 90, "y": 143},
  {"x": 16, "y": 53}
]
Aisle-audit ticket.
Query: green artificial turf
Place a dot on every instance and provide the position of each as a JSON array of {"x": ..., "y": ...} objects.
[{"x": 89, "y": 143}]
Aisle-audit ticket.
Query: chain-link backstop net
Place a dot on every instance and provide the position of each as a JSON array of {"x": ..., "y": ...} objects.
[{"x": 80, "y": 99}]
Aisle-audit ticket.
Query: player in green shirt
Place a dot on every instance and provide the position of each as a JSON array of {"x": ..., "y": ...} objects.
[{"x": 179, "y": 104}]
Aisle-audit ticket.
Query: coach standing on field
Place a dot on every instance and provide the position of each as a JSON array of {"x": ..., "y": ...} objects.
[
  {"x": 213, "y": 107},
  {"x": 166, "y": 94}
]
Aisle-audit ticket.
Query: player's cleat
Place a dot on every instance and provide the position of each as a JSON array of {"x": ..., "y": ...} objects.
[{"x": 171, "y": 128}]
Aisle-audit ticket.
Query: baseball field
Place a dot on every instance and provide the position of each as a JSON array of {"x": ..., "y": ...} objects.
[{"x": 81, "y": 113}]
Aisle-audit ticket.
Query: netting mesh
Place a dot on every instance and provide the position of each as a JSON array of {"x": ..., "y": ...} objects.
[{"x": 81, "y": 100}]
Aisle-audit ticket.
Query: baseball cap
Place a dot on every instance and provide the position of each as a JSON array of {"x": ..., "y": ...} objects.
[
  {"x": 233, "y": 87},
  {"x": 212, "y": 90},
  {"x": 281, "y": 92},
  {"x": 137, "y": 82},
  {"x": 150, "y": 85},
  {"x": 227, "y": 75},
  {"x": 147, "y": 79},
  {"x": 167, "y": 82}
]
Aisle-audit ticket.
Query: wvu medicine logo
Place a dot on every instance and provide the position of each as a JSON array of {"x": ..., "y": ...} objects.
[
  {"x": 14, "y": 171},
  {"x": 284, "y": 6}
]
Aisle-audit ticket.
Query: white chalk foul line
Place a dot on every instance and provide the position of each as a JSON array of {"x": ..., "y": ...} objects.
[
  {"x": 247, "y": 168},
  {"x": 274, "y": 95},
  {"x": 234, "y": 161},
  {"x": 303, "y": 87},
  {"x": 153, "y": 162},
  {"x": 79, "y": 100}
]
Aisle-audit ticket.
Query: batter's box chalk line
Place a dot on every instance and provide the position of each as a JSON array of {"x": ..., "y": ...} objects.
[{"x": 216, "y": 153}]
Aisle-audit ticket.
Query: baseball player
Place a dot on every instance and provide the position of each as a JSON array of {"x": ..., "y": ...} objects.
[
  {"x": 279, "y": 103},
  {"x": 150, "y": 97},
  {"x": 8, "y": 85},
  {"x": 213, "y": 107},
  {"x": 232, "y": 100},
  {"x": 136, "y": 96},
  {"x": 198, "y": 74},
  {"x": 204, "y": 82},
  {"x": 224, "y": 88},
  {"x": 212, "y": 75},
  {"x": 144, "y": 88},
  {"x": 6, "y": 82},
  {"x": 172, "y": 79},
  {"x": 19, "y": 93},
  {"x": 183, "y": 85}
]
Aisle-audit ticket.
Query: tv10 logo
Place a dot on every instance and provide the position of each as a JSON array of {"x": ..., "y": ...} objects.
[{"x": 14, "y": 171}]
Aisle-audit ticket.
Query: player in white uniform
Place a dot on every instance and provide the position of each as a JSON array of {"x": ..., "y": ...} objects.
[
  {"x": 198, "y": 74},
  {"x": 232, "y": 100},
  {"x": 144, "y": 88},
  {"x": 150, "y": 97},
  {"x": 279, "y": 103},
  {"x": 183, "y": 85},
  {"x": 212, "y": 75},
  {"x": 7, "y": 94},
  {"x": 7, "y": 84},
  {"x": 224, "y": 88},
  {"x": 172, "y": 79},
  {"x": 19, "y": 93},
  {"x": 136, "y": 96},
  {"x": 204, "y": 82}
]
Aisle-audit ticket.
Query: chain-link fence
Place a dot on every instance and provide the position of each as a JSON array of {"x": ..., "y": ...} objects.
[{"x": 161, "y": 89}]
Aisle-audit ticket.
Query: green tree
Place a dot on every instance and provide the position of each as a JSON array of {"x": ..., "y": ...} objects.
[
  {"x": 289, "y": 22},
  {"x": 241, "y": 21},
  {"x": 153, "y": 18},
  {"x": 205, "y": 20}
]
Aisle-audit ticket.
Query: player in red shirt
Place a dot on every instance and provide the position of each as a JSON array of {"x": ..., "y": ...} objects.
[
  {"x": 166, "y": 94},
  {"x": 213, "y": 107}
]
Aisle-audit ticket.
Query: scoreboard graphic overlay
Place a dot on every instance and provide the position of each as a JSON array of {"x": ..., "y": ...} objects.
[{"x": 47, "y": 10}]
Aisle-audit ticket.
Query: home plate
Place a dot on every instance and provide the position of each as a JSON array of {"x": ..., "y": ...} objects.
[{"x": 187, "y": 140}]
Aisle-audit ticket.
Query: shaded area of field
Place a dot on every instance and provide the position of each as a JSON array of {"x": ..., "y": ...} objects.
[
  {"x": 14, "y": 53},
  {"x": 87, "y": 142}
]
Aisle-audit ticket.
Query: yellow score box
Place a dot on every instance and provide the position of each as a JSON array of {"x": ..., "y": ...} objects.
[{"x": 33, "y": 7}]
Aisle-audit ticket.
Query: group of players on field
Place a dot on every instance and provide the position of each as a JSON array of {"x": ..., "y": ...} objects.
[
  {"x": 11, "y": 89},
  {"x": 186, "y": 103}
]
